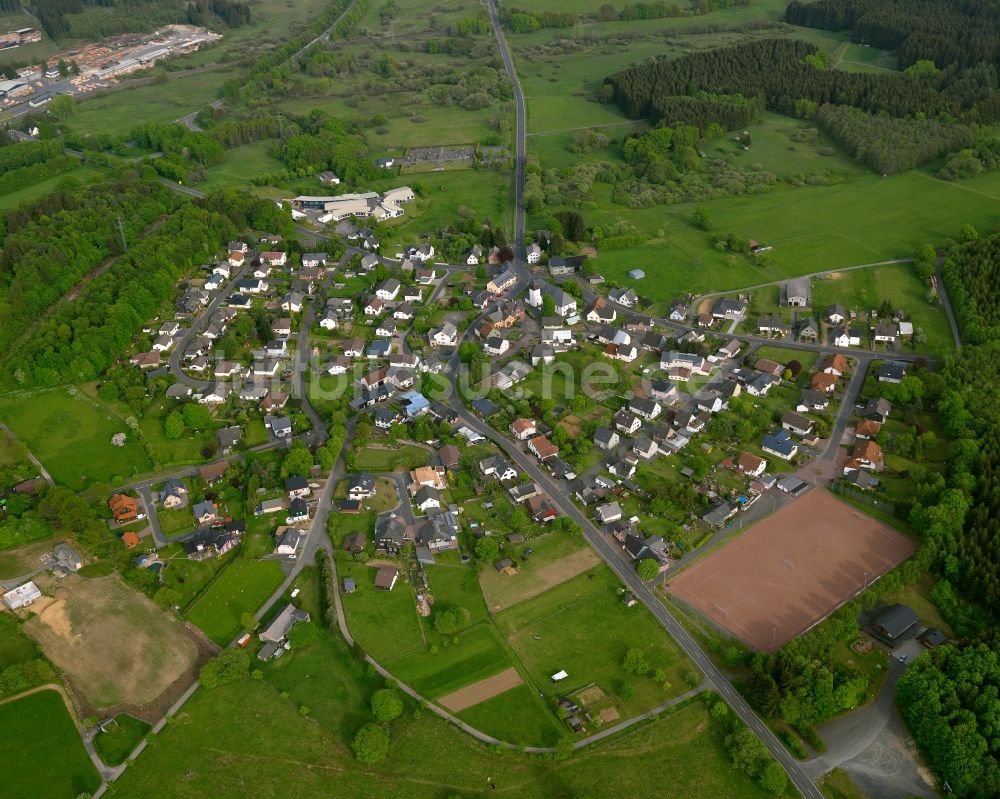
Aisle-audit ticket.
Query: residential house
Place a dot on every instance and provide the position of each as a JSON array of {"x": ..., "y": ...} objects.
[
  {"x": 427, "y": 498},
  {"x": 533, "y": 253},
  {"x": 835, "y": 314},
  {"x": 824, "y": 382},
  {"x": 608, "y": 513},
  {"x": 213, "y": 472},
  {"x": 444, "y": 336},
  {"x": 848, "y": 337},
  {"x": 391, "y": 534},
  {"x": 505, "y": 280},
  {"x": 886, "y": 332},
  {"x": 600, "y": 312},
  {"x": 627, "y": 422},
  {"x": 288, "y": 541},
  {"x": 388, "y": 290},
  {"x": 474, "y": 255},
  {"x": 867, "y": 429},
  {"x": 297, "y": 486},
  {"x": 780, "y": 444},
  {"x": 21, "y": 596},
  {"x": 645, "y": 447},
  {"x": 891, "y": 372},
  {"x": 729, "y": 308},
  {"x": 751, "y": 464},
  {"x": 374, "y": 307},
  {"x": 387, "y": 328},
  {"x": 797, "y": 423},
  {"x": 281, "y": 328},
  {"x": 606, "y": 439},
  {"x": 647, "y": 409},
  {"x": 678, "y": 310},
  {"x": 542, "y": 448},
  {"x": 772, "y": 325},
  {"x": 280, "y": 426},
  {"x": 229, "y": 438},
  {"x": 812, "y": 401},
  {"x": 867, "y": 454},
  {"x": 125, "y": 508},
  {"x": 205, "y": 512},
  {"x": 497, "y": 467},
  {"x": 361, "y": 486},
  {"x": 627, "y": 298},
  {"x": 877, "y": 410},
  {"x": 835, "y": 365},
  {"x": 683, "y": 360},
  {"x": 274, "y": 258},
  {"x": 523, "y": 429},
  {"x": 663, "y": 391},
  {"x": 496, "y": 345}
]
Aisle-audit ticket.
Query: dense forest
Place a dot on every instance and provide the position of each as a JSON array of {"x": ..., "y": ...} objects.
[
  {"x": 787, "y": 72},
  {"x": 960, "y": 33},
  {"x": 82, "y": 337},
  {"x": 887, "y": 144},
  {"x": 949, "y": 700},
  {"x": 971, "y": 274},
  {"x": 96, "y": 19},
  {"x": 46, "y": 256}
]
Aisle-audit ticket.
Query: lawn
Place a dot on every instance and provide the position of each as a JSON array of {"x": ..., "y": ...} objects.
[
  {"x": 189, "y": 577},
  {"x": 583, "y": 626},
  {"x": 171, "y": 452},
  {"x": 557, "y": 557},
  {"x": 241, "y": 588},
  {"x": 28, "y": 759},
  {"x": 457, "y": 587},
  {"x": 176, "y": 520},
  {"x": 122, "y": 736},
  {"x": 70, "y": 434},
  {"x": 384, "y": 623},
  {"x": 864, "y": 289},
  {"x": 387, "y": 460},
  {"x": 425, "y": 754}
]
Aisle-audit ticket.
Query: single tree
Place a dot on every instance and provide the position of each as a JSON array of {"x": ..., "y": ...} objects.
[
  {"x": 386, "y": 704},
  {"x": 371, "y": 744}
]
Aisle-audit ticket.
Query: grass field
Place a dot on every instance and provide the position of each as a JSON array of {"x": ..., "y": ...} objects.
[
  {"x": 15, "y": 646},
  {"x": 121, "y": 737},
  {"x": 114, "y": 643},
  {"x": 583, "y": 626},
  {"x": 241, "y": 588},
  {"x": 384, "y": 622},
  {"x": 23, "y": 559},
  {"x": 386, "y": 460},
  {"x": 15, "y": 198},
  {"x": 240, "y": 165},
  {"x": 557, "y": 557},
  {"x": 123, "y": 109},
  {"x": 425, "y": 754},
  {"x": 864, "y": 220},
  {"x": 71, "y": 435},
  {"x": 29, "y": 760},
  {"x": 864, "y": 289}
]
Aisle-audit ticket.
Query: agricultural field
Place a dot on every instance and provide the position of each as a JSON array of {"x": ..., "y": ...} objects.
[
  {"x": 70, "y": 434},
  {"x": 425, "y": 753},
  {"x": 242, "y": 587},
  {"x": 557, "y": 557},
  {"x": 29, "y": 760},
  {"x": 122, "y": 734},
  {"x": 114, "y": 643},
  {"x": 583, "y": 626},
  {"x": 817, "y": 228}
]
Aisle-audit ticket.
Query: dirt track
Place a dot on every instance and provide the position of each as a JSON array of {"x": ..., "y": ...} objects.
[
  {"x": 791, "y": 570},
  {"x": 480, "y": 691}
]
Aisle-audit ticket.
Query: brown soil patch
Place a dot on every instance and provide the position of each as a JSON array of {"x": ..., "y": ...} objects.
[
  {"x": 791, "y": 570},
  {"x": 591, "y": 695},
  {"x": 114, "y": 645},
  {"x": 705, "y": 306},
  {"x": 571, "y": 424},
  {"x": 480, "y": 691},
  {"x": 610, "y": 714}
]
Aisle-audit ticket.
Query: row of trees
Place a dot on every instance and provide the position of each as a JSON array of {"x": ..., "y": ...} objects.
[
  {"x": 948, "y": 33},
  {"x": 777, "y": 70}
]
